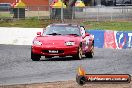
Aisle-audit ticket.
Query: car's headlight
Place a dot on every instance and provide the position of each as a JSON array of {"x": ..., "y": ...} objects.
[
  {"x": 69, "y": 43},
  {"x": 37, "y": 43}
]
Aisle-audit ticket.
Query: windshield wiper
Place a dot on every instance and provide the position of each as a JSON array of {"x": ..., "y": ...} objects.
[
  {"x": 74, "y": 34},
  {"x": 54, "y": 34}
]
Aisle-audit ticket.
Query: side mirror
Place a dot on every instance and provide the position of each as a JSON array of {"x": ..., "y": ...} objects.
[
  {"x": 39, "y": 33},
  {"x": 87, "y": 34}
]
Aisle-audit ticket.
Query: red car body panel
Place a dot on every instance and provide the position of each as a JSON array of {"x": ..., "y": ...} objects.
[{"x": 57, "y": 42}]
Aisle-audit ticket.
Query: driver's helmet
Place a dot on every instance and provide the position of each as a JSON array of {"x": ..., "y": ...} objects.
[{"x": 82, "y": 30}]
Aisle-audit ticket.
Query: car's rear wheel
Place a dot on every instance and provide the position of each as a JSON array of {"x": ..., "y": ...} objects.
[
  {"x": 35, "y": 57},
  {"x": 79, "y": 54},
  {"x": 91, "y": 53}
]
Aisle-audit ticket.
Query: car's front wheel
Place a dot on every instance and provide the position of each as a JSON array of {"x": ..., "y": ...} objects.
[
  {"x": 79, "y": 54},
  {"x": 35, "y": 57},
  {"x": 91, "y": 53}
]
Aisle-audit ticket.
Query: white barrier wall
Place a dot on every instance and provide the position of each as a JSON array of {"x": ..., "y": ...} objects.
[
  {"x": 18, "y": 36},
  {"x": 102, "y": 38}
]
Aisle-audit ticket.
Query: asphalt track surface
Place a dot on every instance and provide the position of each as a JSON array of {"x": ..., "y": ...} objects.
[{"x": 16, "y": 67}]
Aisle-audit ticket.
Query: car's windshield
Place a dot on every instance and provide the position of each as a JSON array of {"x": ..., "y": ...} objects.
[{"x": 62, "y": 30}]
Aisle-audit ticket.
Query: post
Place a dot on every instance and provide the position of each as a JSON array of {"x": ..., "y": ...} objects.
[
  {"x": 18, "y": 13},
  {"x": 49, "y": 10},
  {"x": 62, "y": 13},
  {"x": 73, "y": 12},
  {"x": 28, "y": 12},
  {"x": 111, "y": 15},
  {"x": 38, "y": 12}
]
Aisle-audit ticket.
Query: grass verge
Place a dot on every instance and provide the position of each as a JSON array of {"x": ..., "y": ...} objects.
[
  {"x": 28, "y": 23},
  {"x": 35, "y": 23},
  {"x": 119, "y": 26}
]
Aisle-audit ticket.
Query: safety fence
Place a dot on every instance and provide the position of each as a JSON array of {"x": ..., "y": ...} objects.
[
  {"x": 96, "y": 13},
  {"x": 112, "y": 39},
  {"x": 38, "y": 12},
  {"x": 104, "y": 13}
]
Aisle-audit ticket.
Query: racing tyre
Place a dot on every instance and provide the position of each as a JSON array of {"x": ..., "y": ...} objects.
[
  {"x": 91, "y": 53},
  {"x": 79, "y": 54},
  {"x": 35, "y": 57}
]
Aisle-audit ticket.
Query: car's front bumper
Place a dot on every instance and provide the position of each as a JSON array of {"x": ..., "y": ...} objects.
[{"x": 62, "y": 51}]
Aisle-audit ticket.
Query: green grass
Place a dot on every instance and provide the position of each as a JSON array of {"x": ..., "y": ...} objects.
[
  {"x": 120, "y": 26},
  {"x": 28, "y": 23},
  {"x": 35, "y": 23},
  {"x": 5, "y": 15},
  {"x": 20, "y": 23}
]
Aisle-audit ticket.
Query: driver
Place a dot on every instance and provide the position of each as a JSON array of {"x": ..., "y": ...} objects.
[{"x": 83, "y": 32}]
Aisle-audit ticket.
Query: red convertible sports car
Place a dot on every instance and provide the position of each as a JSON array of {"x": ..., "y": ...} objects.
[{"x": 62, "y": 40}]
